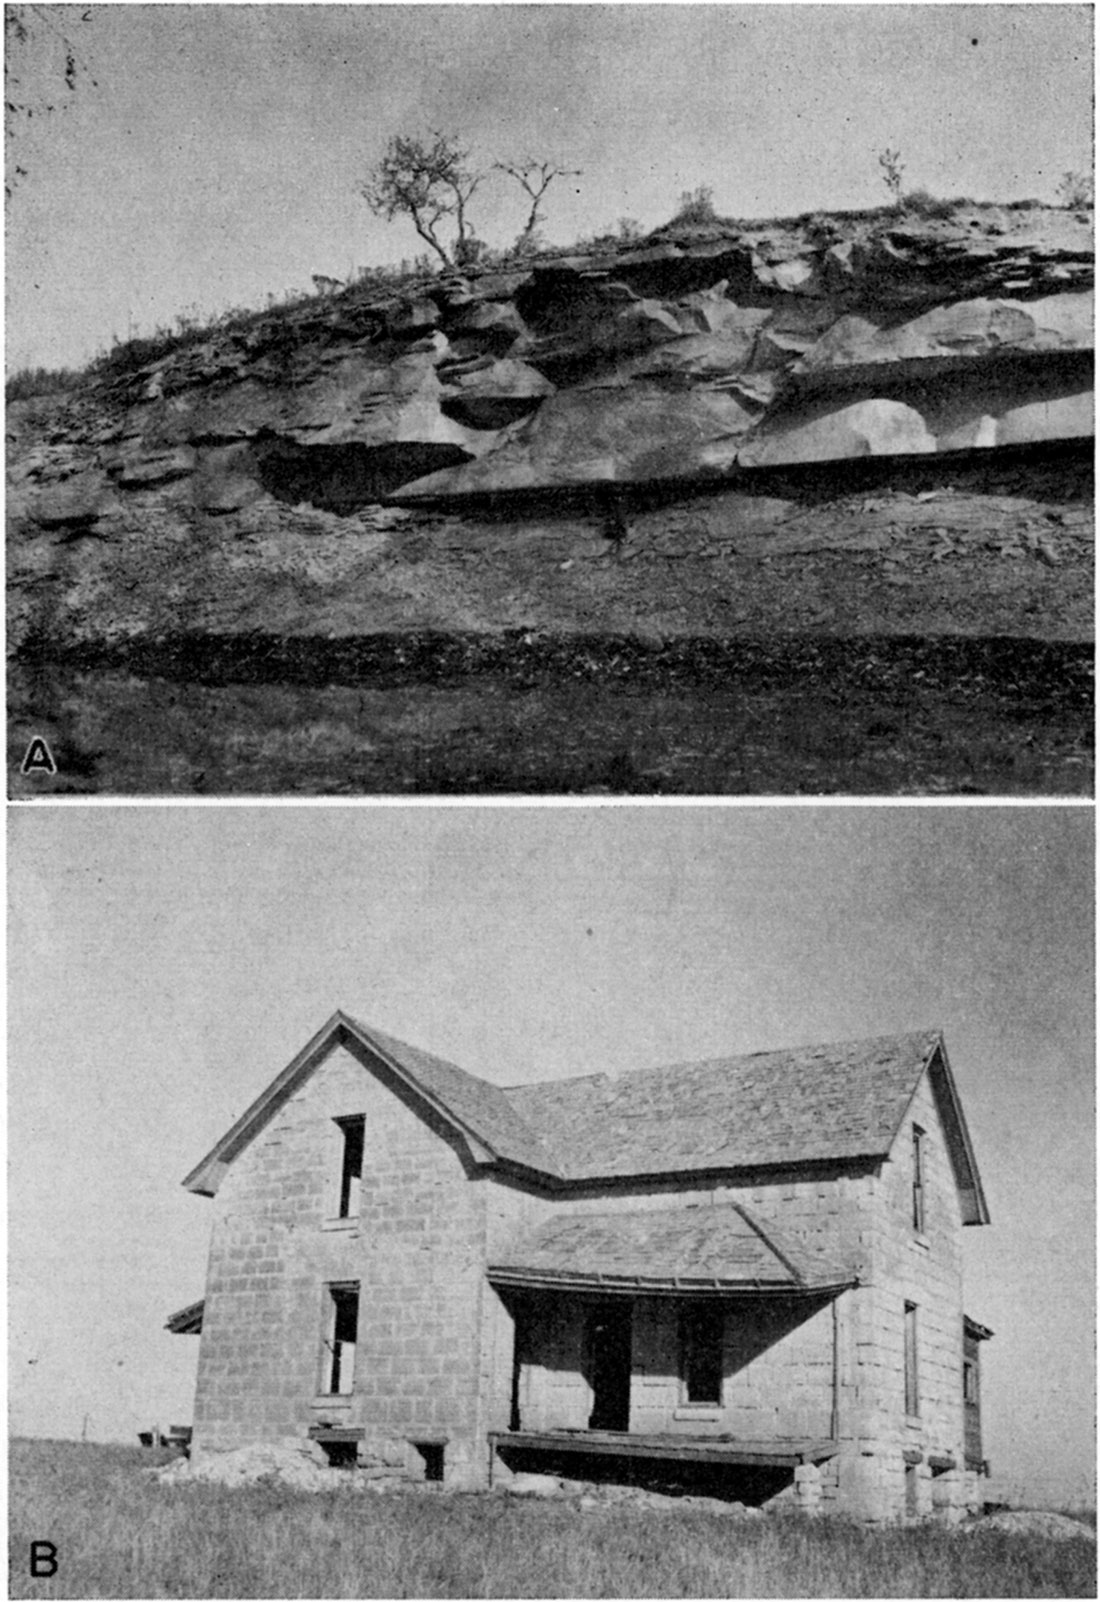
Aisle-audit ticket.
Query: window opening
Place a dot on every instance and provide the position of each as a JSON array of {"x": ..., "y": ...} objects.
[
  {"x": 918, "y": 1179},
  {"x": 341, "y": 1454},
  {"x": 912, "y": 1393},
  {"x": 911, "y": 1480},
  {"x": 432, "y": 1452},
  {"x": 970, "y": 1382},
  {"x": 339, "y": 1355},
  {"x": 701, "y": 1332},
  {"x": 351, "y": 1168}
]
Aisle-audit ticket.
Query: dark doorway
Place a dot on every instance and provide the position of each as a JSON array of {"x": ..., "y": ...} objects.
[{"x": 609, "y": 1354}]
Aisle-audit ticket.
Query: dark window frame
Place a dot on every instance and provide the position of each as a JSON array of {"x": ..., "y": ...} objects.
[
  {"x": 970, "y": 1382},
  {"x": 919, "y": 1139},
  {"x": 912, "y": 1361},
  {"x": 341, "y": 1331},
  {"x": 351, "y": 1165}
]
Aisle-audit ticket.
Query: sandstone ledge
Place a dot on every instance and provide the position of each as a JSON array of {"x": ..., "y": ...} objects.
[{"x": 703, "y": 355}]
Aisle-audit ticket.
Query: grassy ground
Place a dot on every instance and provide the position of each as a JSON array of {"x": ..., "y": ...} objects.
[
  {"x": 120, "y": 1534},
  {"x": 922, "y": 631},
  {"x": 793, "y": 716}
]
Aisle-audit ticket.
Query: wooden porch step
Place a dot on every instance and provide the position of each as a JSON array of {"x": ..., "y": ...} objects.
[{"x": 681, "y": 1448}]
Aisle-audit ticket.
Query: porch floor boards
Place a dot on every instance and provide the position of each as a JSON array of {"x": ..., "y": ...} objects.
[{"x": 685, "y": 1449}]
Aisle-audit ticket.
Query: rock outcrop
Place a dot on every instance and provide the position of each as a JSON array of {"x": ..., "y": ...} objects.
[
  {"x": 501, "y": 449},
  {"x": 708, "y": 352}
]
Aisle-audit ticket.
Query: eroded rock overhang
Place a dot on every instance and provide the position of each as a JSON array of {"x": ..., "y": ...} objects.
[{"x": 706, "y": 354}]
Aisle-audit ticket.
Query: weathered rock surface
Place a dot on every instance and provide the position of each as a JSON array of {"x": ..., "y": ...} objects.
[
  {"x": 705, "y": 352},
  {"x": 1030, "y": 1522},
  {"x": 237, "y": 485},
  {"x": 298, "y": 1469}
]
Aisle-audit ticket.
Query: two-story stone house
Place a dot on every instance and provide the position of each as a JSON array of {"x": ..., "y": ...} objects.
[{"x": 751, "y": 1264}]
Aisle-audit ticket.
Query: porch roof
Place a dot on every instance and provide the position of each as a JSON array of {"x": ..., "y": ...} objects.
[{"x": 685, "y": 1249}]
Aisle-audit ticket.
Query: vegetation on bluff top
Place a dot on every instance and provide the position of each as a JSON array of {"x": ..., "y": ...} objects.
[{"x": 428, "y": 180}]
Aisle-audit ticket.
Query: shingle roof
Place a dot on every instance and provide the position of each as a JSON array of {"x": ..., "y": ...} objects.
[
  {"x": 485, "y": 1109},
  {"x": 721, "y": 1247},
  {"x": 772, "y": 1108}
]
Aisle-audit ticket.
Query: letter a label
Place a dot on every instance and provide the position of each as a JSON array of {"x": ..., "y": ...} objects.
[{"x": 39, "y": 757}]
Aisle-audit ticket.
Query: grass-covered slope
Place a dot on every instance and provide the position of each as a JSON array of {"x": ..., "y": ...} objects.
[{"x": 119, "y": 1533}]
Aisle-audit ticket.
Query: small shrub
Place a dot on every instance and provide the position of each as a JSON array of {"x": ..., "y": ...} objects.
[
  {"x": 527, "y": 244},
  {"x": 131, "y": 355},
  {"x": 696, "y": 206},
  {"x": 30, "y": 381},
  {"x": 922, "y": 203},
  {"x": 630, "y": 230},
  {"x": 1076, "y": 191},
  {"x": 821, "y": 229}
]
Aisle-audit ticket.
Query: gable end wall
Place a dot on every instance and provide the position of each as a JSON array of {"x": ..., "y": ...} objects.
[{"x": 416, "y": 1250}]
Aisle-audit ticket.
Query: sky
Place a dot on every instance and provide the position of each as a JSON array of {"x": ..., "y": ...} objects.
[
  {"x": 165, "y": 963},
  {"x": 211, "y": 155}
]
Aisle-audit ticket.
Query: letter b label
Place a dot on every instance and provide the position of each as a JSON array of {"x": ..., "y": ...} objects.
[{"x": 43, "y": 1560}]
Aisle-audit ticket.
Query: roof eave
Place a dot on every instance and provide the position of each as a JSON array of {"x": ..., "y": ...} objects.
[
  {"x": 973, "y": 1195},
  {"x": 205, "y": 1178},
  {"x": 654, "y": 1285},
  {"x": 959, "y": 1146},
  {"x": 728, "y": 1170},
  {"x": 188, "y": 1321},
  {"x": 207, "y": 1175}
]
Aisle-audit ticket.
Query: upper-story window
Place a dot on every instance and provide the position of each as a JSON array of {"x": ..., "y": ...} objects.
[
  {"x": 701, "y": 1332},
  {"x": 351, "y": 1166},
  {"x": 918, "y": 1178},
  {"x": 970, "y": 1382}
]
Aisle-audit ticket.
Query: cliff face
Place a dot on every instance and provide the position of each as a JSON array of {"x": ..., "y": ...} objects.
[{"x": 704, "y": 357}]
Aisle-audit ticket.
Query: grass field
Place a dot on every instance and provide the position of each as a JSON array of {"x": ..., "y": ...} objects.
[{"x": 118, "y": 1533}]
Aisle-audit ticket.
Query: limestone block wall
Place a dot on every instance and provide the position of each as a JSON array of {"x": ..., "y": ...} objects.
[
  {"x": 924, "y": 1269},
  {"x": 415, "y": 1250},
  {"x": 776, "y": 1371}
]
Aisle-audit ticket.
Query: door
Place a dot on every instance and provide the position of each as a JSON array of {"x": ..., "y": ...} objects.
[{"x": 609, "y": 1353}]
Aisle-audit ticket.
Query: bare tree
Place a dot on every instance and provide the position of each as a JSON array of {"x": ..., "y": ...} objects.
[
  {"x": 535, "y": 178},
  {"x": 426, "y": 180}
]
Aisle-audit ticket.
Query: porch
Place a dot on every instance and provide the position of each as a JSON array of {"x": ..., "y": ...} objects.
[{"x": 693, "y": 1335}]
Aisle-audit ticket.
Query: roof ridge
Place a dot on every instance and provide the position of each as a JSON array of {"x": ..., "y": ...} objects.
[
  {"x": 784, "y": 1051},
  {"x": 388, "y": 1042},
  {"x": 565, "y": 1079}
]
